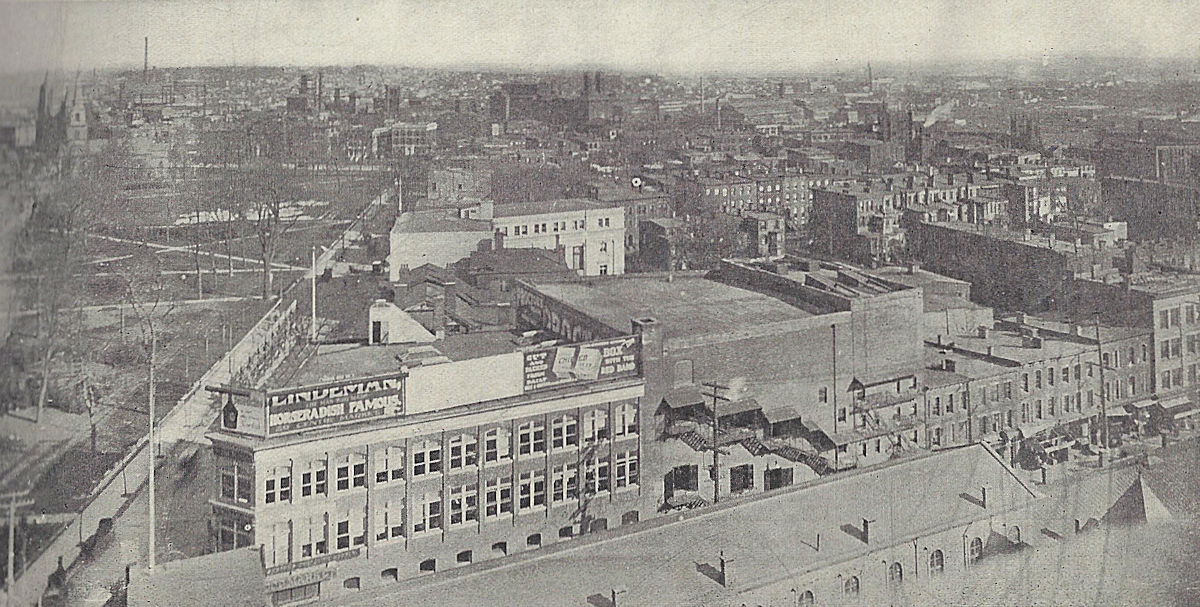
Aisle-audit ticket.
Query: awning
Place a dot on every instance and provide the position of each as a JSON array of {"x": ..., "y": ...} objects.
[
  {"x": 746, "y": 404},
  {"x": 1142, "y": 404},
  {"x": 781, "y": 414},
  {"x": 1171, "y": 405},
  {"x": 1187, "y": 411},
  {"x": 1033, "y": 428},
  {"x": 1118, "y": 413},
  {"x": 686, "y": 396}
]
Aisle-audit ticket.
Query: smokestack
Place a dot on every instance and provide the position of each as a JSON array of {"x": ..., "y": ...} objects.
[
  {"x": 984, "y": 493},
  {"x": 146, "y": 61},
  {"x": 866, "y": 536}
]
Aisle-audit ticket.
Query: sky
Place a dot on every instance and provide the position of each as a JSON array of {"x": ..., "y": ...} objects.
[{"x": 637, "y": 35}]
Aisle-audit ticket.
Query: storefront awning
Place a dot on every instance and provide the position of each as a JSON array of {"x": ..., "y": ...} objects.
[
  {"x": 686, "y": 396},
  {"x": 1175, "y": 403},
  {"x": 781, "y": 414},
  {"x": 1118, "y": 413},
  {"x": 1033, "y": 428},
  {"x": 1142, "y": 404},
  {"x": 1186, "y": 411}
]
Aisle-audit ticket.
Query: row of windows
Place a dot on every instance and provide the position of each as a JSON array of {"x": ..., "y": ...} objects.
[
  {"x": 458, "y": 506},
  {"x": 428, "y": 457},
  {"x": 1172, "y": 317},
  {"x": 851, "y": 585},
  {"x": 557, "y": 226}
]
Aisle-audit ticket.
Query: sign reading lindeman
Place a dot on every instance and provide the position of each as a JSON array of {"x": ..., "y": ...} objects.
[{"x": 335, "y": 403}]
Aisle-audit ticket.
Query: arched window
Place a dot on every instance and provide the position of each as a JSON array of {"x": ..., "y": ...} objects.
[
  {"x": 937, "y": 562},
  {"x": 895, "y": 574},
  {"x": 850, "y": 586},
  {"x": 975, "y": 551},
  {"x": 1014, "y": 534},
  {"x": 807, "y": 599}
]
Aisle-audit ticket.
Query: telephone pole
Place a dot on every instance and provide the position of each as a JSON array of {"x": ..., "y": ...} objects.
[
  {"x": 313, "y": 330},
  {"x": 716, "y": 447},
  {"x": 151, "y": 446},
  {"x": 1103, "y": 393}
]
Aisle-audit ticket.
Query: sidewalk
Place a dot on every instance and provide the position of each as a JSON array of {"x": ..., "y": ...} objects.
[{"x": 184, "y": 426}]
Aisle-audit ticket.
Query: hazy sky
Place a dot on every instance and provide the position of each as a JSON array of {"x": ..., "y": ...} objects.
[{"x": 656, "y": 35}]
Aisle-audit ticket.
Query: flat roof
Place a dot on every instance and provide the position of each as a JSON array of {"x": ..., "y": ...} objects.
[
  {"x": 687, "y": 306},
  {"x": 438, "y": 220},
  {"x": 1164, "y": 283},
  {"x": 564, "y": 205},
  {"x": 659, "y": 562},
  {"x": 233, "y": 578}
]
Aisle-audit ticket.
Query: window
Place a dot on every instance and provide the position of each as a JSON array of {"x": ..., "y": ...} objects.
[
  {"x": 937, "y": 405},
  {"x": 603, "y": 246},
  {"x": 531, "y": 438},
  {"x": 389, "y": 519},
  {"x": 427, "y": 458},
  {"x": 807, "y": 599},
  {"x": 1176, "y": 347},
  {"x": 360, "y": 474},
  {"x": 596, "y": 476},
  {"x": 937, "y": 562},
  {"x": 534, "y": 540},
  {"x": 1078, "y": 375},
  {"x": 564, "y": 432},
  {"x": 974, "y": 551},
  {"x": 604, "y": 269},
  {"x": 428, "y": 565},
  {"x": 237, "y": 483},
  {"x": 1037, "y": 380},
  {"x": 313, "y": 481},
  {"x": 1174, "y": 317},
  {"x": 463, "y": 558},
  {"x": 464, "y": 504},
  {"x": 564, "y": 481},
  {"x": 429, "y": 517},
  {"x": 496, "y": 445},
  {"x": 343, "y": 535},
  {"x": 498, "y": 497},
  {"x": 500, "y": 549},
  {"x": 625, "y": 420},
  {"x": 279, "y": 486},
  {"x": 625, "y": 469},
  {"x": 950, "y": 403},
  {"x": 595, "y": 425},
  {"x": 850, "y": 586},
  {"x": 343, "y": 477},
  {"x": 1166, "y": 349},
  {"x": 296, "y": 594},
  {"x": 1039, "y": 408},
  {"x": 1166, "y": 380},
  {"x": 1050, "y": 406},
  {"x": 1025, "y": 382},
  {"x": 895, "y": 574},
  {"x": 1050, "y": 375},
  {"x": 531, "y": 490},
  {"x": 463, "y": 451},
  {"x": 389, "y": 464},
  {"x": 823, "y": 395}
]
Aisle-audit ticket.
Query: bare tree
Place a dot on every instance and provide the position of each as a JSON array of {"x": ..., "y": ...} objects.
[{"x": 269, "y": 192}]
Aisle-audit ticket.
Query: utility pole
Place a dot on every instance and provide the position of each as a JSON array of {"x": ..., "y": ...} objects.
[
  {"x": 716, "y": 465},
  {"x": 1103, "y": 391},
  {"x": 150, "y": 445},
  {"x": 13, "y": 504},
  {"x": 313, "y": 330}
]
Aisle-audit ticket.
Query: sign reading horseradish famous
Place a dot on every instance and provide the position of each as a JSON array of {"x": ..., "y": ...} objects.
[
  {"x": 592, "y": 361},
  {"x": 335, "y": 403}
]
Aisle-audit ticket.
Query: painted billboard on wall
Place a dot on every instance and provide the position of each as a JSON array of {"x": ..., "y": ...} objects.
[
  {"x": 592, "y": 361},
  {"x": 334, "y": 403}
]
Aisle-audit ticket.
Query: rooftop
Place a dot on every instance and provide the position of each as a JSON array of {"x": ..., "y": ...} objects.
[
  {"x": 767, "y": 538},
  {"x": 564, "y": 205},
  {"x": 233, "y": 578},
  {"x": 1165, "y": 283},
  {"x": 686, "y": 305},
  {"x": 438, "y": 220}
]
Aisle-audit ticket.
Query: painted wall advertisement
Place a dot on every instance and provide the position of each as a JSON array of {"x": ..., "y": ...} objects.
[
  {"x": 604, "y": 359},
  {"x": 336, "y": 403}
]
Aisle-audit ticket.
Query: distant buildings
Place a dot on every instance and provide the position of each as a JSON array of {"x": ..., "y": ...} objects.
[{"x": 589, "y": 236}]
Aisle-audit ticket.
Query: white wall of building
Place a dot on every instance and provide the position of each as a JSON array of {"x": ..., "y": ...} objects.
[{"x": 596, "y": 235}]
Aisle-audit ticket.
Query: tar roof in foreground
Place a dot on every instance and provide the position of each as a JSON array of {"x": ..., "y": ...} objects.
[
  {"x": 657, "y": 563},
  {"x": 233, "y": 578}
]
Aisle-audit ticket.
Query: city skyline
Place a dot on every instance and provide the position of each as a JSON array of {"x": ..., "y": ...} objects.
[{"x": 671, "y": 37}]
